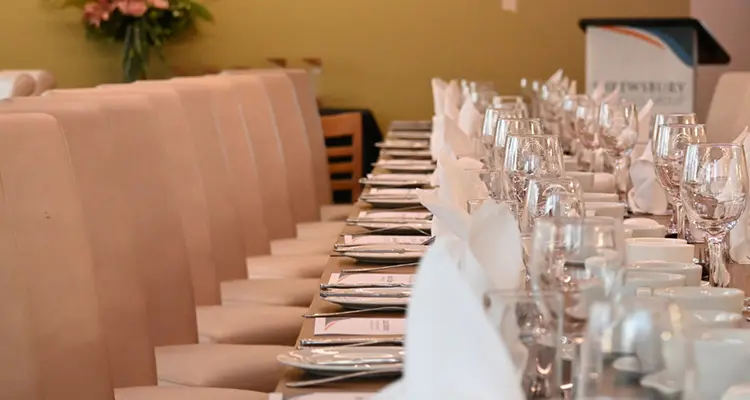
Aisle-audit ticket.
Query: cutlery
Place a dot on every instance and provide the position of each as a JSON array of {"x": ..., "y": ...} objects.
[
  {"x": 367, "y": 250},
  {"x": 383, "y": 182},
  {"x": 344, "y": 377},
  {"x": 337, "y": 342},
  {"x": 390, "y": 295},
  {"x": 374, "y": 269},
  {"x": 326, "y": 286},
  {"x": 361, "y": 360},
  {"x": 390, "y": 228},
  {"x": 405, "y": 220},
  {"x": 354, "y": 312}
]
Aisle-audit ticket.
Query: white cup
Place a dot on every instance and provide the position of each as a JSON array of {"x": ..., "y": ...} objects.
[
  {"x": 605, "y": 209},
  {"x": 604, "y": 182},
  {"x": 722, "y": 360},
  {"x": 692, "y": 272},
  {"x": 659, "y": 251},
  {"x": 606, "y": 197},
  {"x": 704, "y": 298},
  {"x": 645, "y": 228},
  {"x": 639, "y": 283}
]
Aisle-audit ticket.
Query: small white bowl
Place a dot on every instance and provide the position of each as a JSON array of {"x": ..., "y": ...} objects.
[
  {"x": 658, "y": 251},
  {"x": 605, "y": 209},
  {"x": 645, "y": 228},
  {"x": 643, "y": 283},
  {"x": 704, "y": 298},
  {"x": 606, "y": 197},
  {"x": 699, "y": 321},
  {"x": 692, "y": 272},
  {"x": 604, "y": 182}
]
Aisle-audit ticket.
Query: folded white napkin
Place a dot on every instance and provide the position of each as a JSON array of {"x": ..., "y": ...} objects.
[
  {"x": 437, "y": 136},
  {"x": 598, "y": 92},
  {"x": 438, "y": 95},
  {"x": 631, "y": 135},
  {"x": 464, "y": 163},
  {"x": 469, "y": 119},
  {"x": 739, "y": 239},
  {"x": 452, "y": 99},
  {"x": 573, "y": 89},
  {"x": 456, "y": 357},
  {"x": 612, "y": 96},
  {"x": 453, "y": 351},
  {"x": 647, "y": 195},
  {"x": 556, "y": 77}
]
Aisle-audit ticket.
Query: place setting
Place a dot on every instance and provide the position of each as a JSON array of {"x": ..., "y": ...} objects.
[
  {"x": 417, "y": 154},
  {"x": 411, "y": 180},
  {"x": 405, "y": 166},
  {"x": 401, "y": 144},
  {"x": 391, "y": 197},
  {"x": 410, "y": 135}
]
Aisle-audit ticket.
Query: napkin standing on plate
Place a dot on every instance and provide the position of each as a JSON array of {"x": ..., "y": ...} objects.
[
  {"x": 465, "y": 163},
  {"x": 470, "y": 120},
  {"x": 573, "y": 89},
  {"x": 452, "y": 100},
  {"x": 647, "y": 195},
  {"x": 599, "y": 91},
  {"x": 456, "y": 140},
  {"x": 612, "y": 96},
  {"x": 438, "y": 95},
  {"x": 556, "y": 77},
  {"x": 452, "y": 349},
  {"x": 739, "y": 238},
  {"x": 437, "y": 136}
]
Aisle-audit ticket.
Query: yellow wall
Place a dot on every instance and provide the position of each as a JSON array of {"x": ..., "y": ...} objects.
[{"x": 376, "y": 53}]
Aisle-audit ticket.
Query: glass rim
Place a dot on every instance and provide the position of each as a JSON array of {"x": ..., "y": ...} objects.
[
  {"x": 718, "y": 145},
  {"x": 676, "y": 114},
  {"x": 532, "y": 135},
  {"x": 522, "y": 293},
  {"x": 580, "y": 220},
  {"x": 681, "y": 125},
  {"x": 484, "y": 170}
]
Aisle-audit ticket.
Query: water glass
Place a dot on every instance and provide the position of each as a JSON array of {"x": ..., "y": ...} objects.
[
  {"x": 486, "y": 183},
  {"x": 714, "y": 192},
  {"x": 618, "y": 133},
  {"x": 505, "y": 127},
  {"x": 551, "y": 197},
  {"x": 586, "y": 124},
  {"x": 528, "y": 156},
  {"x": 491, "y": 116},
  {"x": 668, "y": 146},
  {"x": 530, "y": 325}
]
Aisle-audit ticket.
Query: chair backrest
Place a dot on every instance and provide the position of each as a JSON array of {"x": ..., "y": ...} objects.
[
  {"x": 121, "y": 292},
  {"x": 159, "y": 243},
  {"x": 345, "y": 159},
  {"x": 185, "y": 179},
  {"x": 50, "y": 341},
  {"x": 43, "y": 79},
  {"x": 269, "y": 157},
  {"x": 294, "y": 142},
  {"x": 243, "y": 172},
  {"x": 303, "y": 88},
  {"x": 729, "y": 112},
  {"x": 226, "y": 231},
  {"x": 16, "y": 85}
]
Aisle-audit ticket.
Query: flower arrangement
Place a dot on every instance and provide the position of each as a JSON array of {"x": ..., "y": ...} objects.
[{"x": 142, "y": 26}]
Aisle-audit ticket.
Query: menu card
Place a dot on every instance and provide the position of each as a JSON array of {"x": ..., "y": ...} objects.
[
  {"x": 360, "y": 326},
  {"x": 415, "y": 215},
  {"x": 371, "y": 278},
  {"x": 383, "y": 239}
]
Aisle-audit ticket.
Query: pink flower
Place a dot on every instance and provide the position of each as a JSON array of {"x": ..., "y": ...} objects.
[
  {"x": 161, "y": 4},
  {"x": 132, "y": 8},
  {"x": 96, "y": 11}
]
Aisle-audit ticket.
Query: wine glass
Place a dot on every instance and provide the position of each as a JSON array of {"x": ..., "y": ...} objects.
[
  {"x": 528, "y": 156},
  {"x": 505, "y": 127},
  {"x": 491, "y": 115},
  {"x": 586, "y": 124},
  {"x": 618, "y": 133},
  {"x": 568, "y": 132},
  {"x": 486, "y": 183},
  {"x": 668, "y": 146},
  {"x": 551, "y": 197},
  {"x": 714, "y": 192},
  {"x": 666, "y": 119}
]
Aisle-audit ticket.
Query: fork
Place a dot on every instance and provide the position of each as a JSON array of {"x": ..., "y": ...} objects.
[
  {"x": 390, "y": 228},
  {"x": 353, "y": 312},
  {"x": 373, "y": 269}
]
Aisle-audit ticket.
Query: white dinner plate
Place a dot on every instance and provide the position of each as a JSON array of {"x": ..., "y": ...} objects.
[
  {"x": 410, "y": 135},
  {"x": 409, "y": 166},
  {"x": 358, "y": 302},
  {"x": 404, "y": 144},
  {"x": 344, "y": 359},
  {"x": 407, "y": 154},
  {"x": 391, "y": 202},
  {"x": 364, "y": 254}
]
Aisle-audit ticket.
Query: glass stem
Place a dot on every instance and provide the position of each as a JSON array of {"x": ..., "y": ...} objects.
[
  {"x": 718, "y": 274},
  {"x": 622, "y": 178},
  {"x": 680, "y": 219}
]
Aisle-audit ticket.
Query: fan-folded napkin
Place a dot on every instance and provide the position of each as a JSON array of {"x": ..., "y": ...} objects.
[
  {"x": 647, "y": 195},
  {"x": 438, "y": 95},
  {"x": 739, "y": 238},
  {"x": 453, "y": 351},
  {"x": 452, "y": 99},
  {"x": 469, "y": 119}
]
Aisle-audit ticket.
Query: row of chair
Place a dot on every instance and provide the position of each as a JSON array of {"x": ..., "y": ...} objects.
[{"x": 163, "y": 233}]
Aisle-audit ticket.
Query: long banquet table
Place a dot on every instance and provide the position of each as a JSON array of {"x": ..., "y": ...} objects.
[{"x": 740, "y": 279}]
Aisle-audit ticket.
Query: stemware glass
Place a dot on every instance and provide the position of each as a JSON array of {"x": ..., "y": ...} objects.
[
  {"x": 568, "y": 134},
  {"x": 586, "y": 125},
  {"x": 668, "y": 146},
  {"x": 530, "y": 325},
  {"x": 528, "y": 156},
  {"x": 666, "y": 119},
  {"x": 618, "y": 133},
  {"x": 505, "y": 127},
  {"x": 714, "y": 192},
  {"x": 551, "y": 197},
  {"x": 486, "y": 183},
  {"x": 491, "y": 116}
]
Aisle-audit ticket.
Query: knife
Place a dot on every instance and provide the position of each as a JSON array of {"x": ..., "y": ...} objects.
[
  {"x": 384, "y": 285},
  {"x": 397, "y": 340},
  {"x": 397, "y": 295}
]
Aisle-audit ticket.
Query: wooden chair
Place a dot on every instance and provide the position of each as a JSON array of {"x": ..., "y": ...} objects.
[{"x": 343, "y": 133}]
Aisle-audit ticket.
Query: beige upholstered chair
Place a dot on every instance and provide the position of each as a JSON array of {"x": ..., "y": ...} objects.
[
  {"x": 43, "y": 80},
  {"x": 171, "y": 313},
  {"x": 50, "y": 337},
  {"x": 305, "y": 95},
  {"x": 34, "y": 363},
  {"x": 16, "y": 85},
  {"x": 729, "y": 112},
  {"x": 297, "y": 155}
]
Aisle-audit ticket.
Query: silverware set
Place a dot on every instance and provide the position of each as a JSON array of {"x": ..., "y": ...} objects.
[
  {"x": 345, "y": 377},
  {"x": 355, "y": 312}
]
